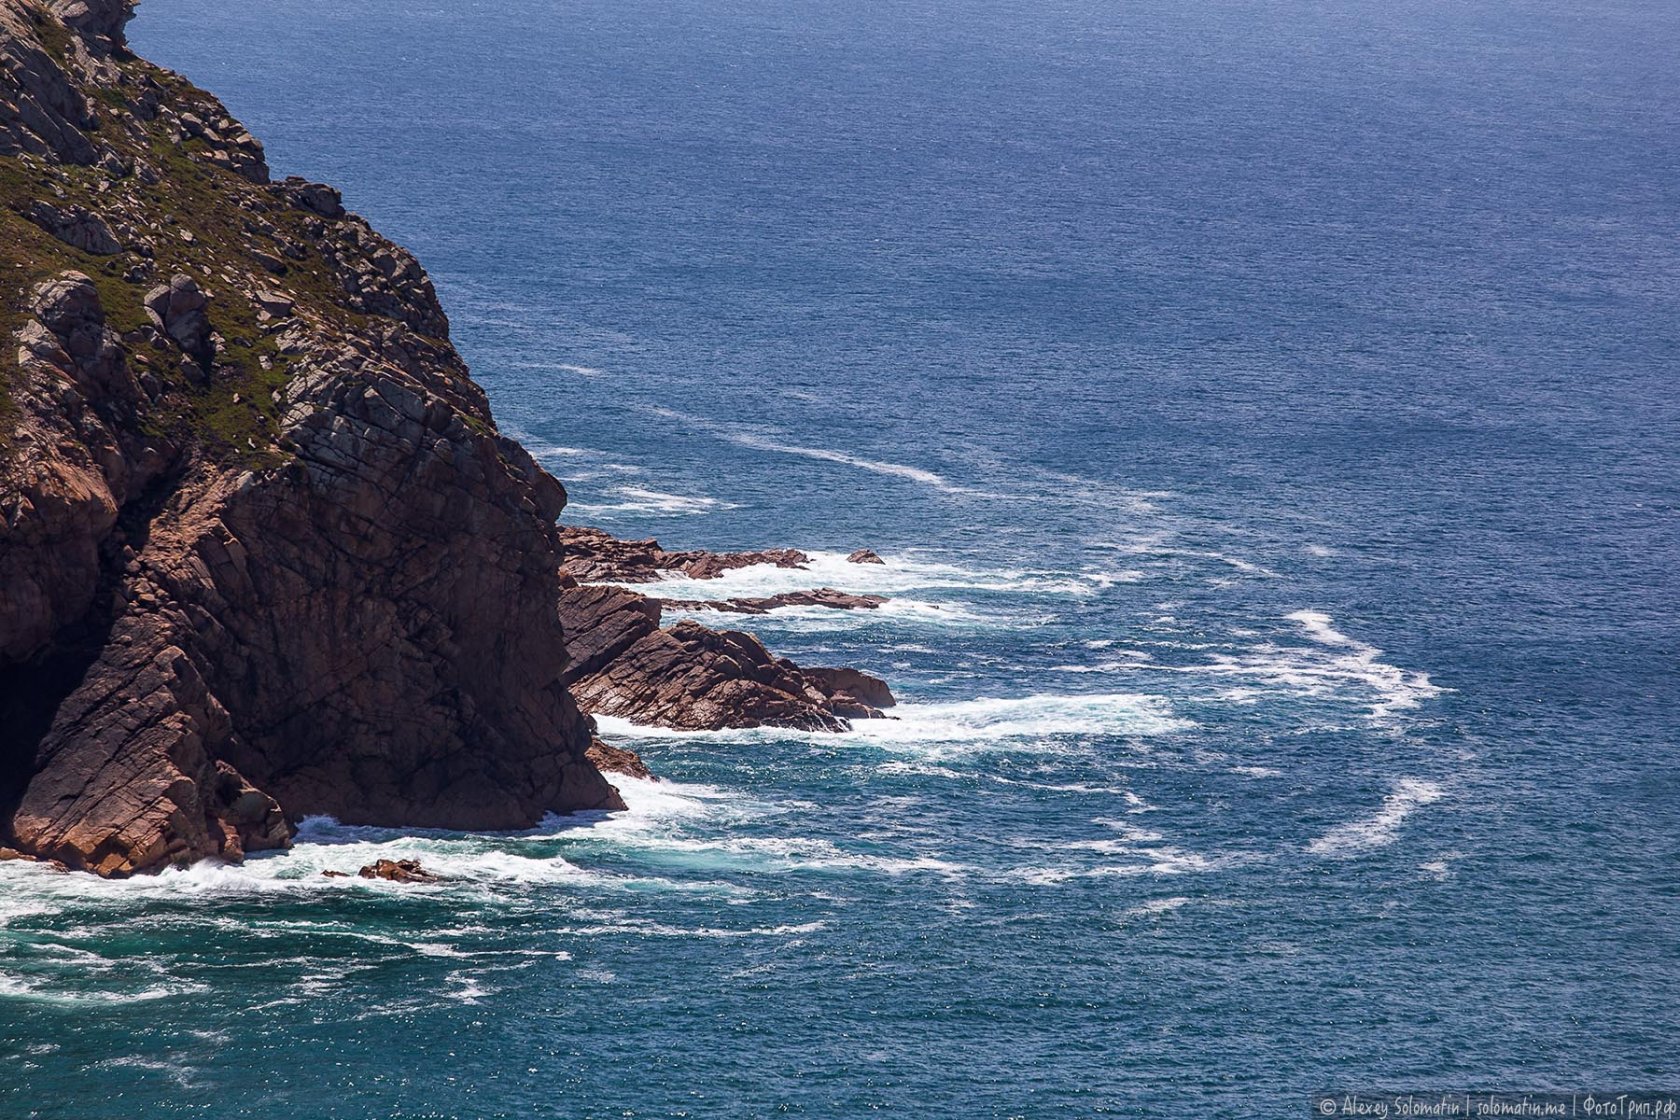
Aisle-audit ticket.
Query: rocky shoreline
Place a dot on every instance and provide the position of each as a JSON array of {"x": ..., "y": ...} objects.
[
  {"x": 625, "y": 663},
  {"x": 263, "y": 551}
]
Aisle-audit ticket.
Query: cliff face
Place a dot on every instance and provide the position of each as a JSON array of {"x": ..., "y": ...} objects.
[{"x": 262, "y": 551}]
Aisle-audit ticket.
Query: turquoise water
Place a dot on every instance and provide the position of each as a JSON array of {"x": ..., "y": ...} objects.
[{"x": 1267, "y": 414}]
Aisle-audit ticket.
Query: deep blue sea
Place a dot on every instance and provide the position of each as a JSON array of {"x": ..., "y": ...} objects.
[{"x": 1268, "y": 412}]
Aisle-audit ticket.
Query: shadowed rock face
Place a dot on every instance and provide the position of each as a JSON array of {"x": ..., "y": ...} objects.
[{"x": 262, "y": 551}]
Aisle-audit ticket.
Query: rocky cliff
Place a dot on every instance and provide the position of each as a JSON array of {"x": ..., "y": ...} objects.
[{"x": 263, "y": 552}]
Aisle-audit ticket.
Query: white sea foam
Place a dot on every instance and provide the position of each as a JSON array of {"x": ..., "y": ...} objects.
[
  {"x": 648, "y": 501},
  {"x": 1383, "y": 827},
  {"x": 581, "y": 371},
  {"x": 896, "y": 616},
  {"x": 1150, "y": 861},
  {"x": 988, "y": 720},
  {"x": 1399, "y": 688},
  {"x": 647, "y": 928},
  {"x": 875, "y": 466},
  {"x": 759, "y": 441},
  {"x": 179, "y": 1073},
  {"x": 655, "y": 805},
  {"x": 42, "y": 991},
  {"x": 1440, "y": 868},
  {"x": 776, "y": 854},
  {"x": 1125, "y": 661},
  {"x": 901, "y": 573},
  {"x": 542, "y": 451},
  {"x": 1160, "y": 545},
  {"x": 1331, "y": 665},
  {"x": 953, "y": 727}
]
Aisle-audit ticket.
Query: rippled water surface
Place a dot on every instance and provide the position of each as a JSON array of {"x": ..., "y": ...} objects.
[{"x": 1267, "y": 414}]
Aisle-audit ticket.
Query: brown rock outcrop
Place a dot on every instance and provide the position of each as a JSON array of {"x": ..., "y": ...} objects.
[
  {"x": 399, "y": 871},
  {"x": 690, "y": 677},
  {"x": 817, "y": 597},
  {"x": 250, "y": 568},
  {"x": 851, "y": 691},
  {"x": 617, "y": 760},
  {"x": 263, "y": 553},
  {"x": 865, "y": 556},
  {"x": 593, "y": 556}
]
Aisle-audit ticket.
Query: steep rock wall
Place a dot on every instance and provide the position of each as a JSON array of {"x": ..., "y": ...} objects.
[{"x": 262, "y": 551}]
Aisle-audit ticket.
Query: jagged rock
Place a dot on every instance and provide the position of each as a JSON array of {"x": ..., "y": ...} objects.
[
  {"x": 270, "y": 262},
  {"x": 75, "y": 226},
  {"x": 178, "y": 309},
  {"x": 596, "y": 556},
  {"x": 850, "y": 690},
  {"x": 617, "y": 760},
  {"x": 685, "y": 676},
  {"x": 339, "y": 598},
  {"x": 817, "y": 597},
  {"x": 865, "y": 556},
  {"x": 344, "y": 596},
  {"x": 42, "y": 110},
  {"x": 100, "y": 22},
  {"x": 317, "y": 198},
  {"x": 399, "y": 871}
]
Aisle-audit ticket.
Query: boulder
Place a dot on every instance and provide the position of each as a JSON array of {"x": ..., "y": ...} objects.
[
  {"x": 865, "y": 556},
  {"x": 277, "y": 304},
  {"x": 399, "y": 871},
  {"x": 317, "y": 198},
  {"x": 851, "y": 687},
  {"x": 178, "y": 309}
]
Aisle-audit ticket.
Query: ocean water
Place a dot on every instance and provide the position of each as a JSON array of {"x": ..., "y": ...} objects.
[{"x": 1268, "y": 414}]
